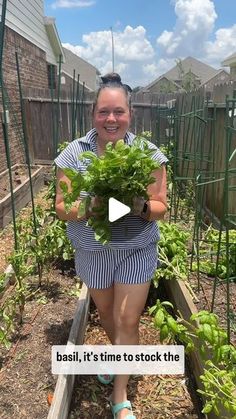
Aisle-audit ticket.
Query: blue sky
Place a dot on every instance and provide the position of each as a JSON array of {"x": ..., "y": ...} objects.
[{"x": 148, "y": 35}]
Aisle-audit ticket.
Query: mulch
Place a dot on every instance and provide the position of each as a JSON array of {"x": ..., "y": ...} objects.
[
  {"x": 152, "y": 396},
  {"x": 26, "y": 382}
]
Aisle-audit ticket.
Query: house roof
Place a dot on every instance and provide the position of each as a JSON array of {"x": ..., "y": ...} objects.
[
  {"x": 49, "y": 23},
  {"x": 86, "y": 70},
  {"x": 198, "y": 68},
  {"x": 178, "y": 86},
  {"x": 221, "y": 70},
  {"x": 231, "y": 59}
]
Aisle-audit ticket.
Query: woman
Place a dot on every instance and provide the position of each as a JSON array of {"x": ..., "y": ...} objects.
[{"x": 117, "y": 276}]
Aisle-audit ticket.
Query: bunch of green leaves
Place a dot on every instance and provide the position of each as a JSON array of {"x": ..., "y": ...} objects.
[
  {"x": 170, "y": 329},
  {"x": 219, "y": 389},
  {"x": 207, "y": 262},
  {"x": 7, "y": 315},
  {"x": 123, "y": 172},
  {"x": 2, "y": 282},
  {"x": 173, "y": 253},
  {"x": 52, "y": 243},
  {"x": 203, "y": 331},
  {"x": 39, "y": 245}
]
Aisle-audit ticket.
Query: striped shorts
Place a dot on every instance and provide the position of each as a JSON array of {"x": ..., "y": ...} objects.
[{"x": 101, "y": 269}]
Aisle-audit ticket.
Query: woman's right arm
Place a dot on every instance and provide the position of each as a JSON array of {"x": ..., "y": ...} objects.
[{"x": 59, "y": 204}]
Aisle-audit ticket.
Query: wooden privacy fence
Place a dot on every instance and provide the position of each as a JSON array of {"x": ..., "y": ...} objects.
[
  {"x": 199, "y": 127},
  {"x": 44, "y": 117},
  {"x": 202, "y": 130}
]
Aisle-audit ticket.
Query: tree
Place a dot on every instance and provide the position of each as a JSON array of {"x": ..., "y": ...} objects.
[{"x": 187, "y": 78}]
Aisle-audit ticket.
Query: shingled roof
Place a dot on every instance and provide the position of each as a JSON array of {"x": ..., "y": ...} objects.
[
  {"x": 201, "y": 70},
  {"x": 86, "y": 70},
  {"x": 229, "y": 60}
]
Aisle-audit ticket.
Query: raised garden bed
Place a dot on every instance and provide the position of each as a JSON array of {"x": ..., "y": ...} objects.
[
  {"x": 26, "y": 382},
  {"x": 44, "y": 326},
  {"x": 182, "y": 300},
  {"x": 21, "y": 191}
]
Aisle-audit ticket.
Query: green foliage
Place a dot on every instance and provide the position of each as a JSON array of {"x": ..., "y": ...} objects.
[
  {"x": 207, "y": 262},
  {"x": 173, "y": 255},
  {"x": 2, "y": 282},
  {"x": 7, "y": 314},
  {"x": 187, "y": 78},
  {"x": 203, "y": 331},
  {"x": 147, "y": 135},
  {"x": 40, "y": 245},
  {"x": 123, "y": 172},
  {"x": 170, "y": 329},
  {"x": 167, "y": 86},
  {"x": 219, "y": 389}
]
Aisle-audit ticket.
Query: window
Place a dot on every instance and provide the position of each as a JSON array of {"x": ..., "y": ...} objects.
[{"x": 51, "y": 76}]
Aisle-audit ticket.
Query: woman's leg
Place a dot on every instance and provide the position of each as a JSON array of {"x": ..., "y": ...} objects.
[
  {"x": 129, "y": 301},
  {"x": 104, "y": 299}
]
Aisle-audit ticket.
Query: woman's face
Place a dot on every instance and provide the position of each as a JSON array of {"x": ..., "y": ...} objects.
[{"x": 111, "y": 115}]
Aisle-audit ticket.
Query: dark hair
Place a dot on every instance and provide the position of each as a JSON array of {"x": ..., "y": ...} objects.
[{"x": 113, "y": 80}]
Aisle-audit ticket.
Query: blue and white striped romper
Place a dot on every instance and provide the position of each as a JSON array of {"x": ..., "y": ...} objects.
[{"x": 131, "y": 256}]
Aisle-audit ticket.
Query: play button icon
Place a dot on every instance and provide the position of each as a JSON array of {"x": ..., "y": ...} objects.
[{"x": 116, "y": 209}]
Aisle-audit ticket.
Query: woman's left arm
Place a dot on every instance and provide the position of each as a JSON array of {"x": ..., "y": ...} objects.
[{"x": 157, "y": 203}]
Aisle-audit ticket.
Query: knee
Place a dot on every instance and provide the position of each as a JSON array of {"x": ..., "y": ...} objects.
[
  {"x": 105, "y": 311},
  {"x": 128, "y": 322}
]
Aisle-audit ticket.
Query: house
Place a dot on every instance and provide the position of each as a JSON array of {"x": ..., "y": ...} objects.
[
  {"x": 163, "y": 85},
  {"x": 35, "y": 39},
  {"x": 231, "y": 63},
  {"x": 74, "y": 65},
  {"x": 187, "y": 74}
]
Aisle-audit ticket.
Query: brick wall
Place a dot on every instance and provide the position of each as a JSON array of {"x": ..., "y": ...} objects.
[{"x": 33, "y": 73}]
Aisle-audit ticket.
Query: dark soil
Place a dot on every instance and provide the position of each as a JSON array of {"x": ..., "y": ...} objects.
[{"x": 19, "y": 175}]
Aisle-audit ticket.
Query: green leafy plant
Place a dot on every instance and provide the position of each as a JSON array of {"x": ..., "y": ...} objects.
[
  {"x": 7, "y": 314},
  {"x": 123, "y": 172},
  {"x": 2, "y": 282},
  {"x": 170, "y": 328},
  {"x": 207, "y": 260},
  {"x": 203, "y": 331},
  {"x": 219, "y": 389},
  {"x": 173, "y": 254}
]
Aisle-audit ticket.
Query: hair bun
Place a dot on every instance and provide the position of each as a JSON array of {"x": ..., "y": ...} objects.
[{"x": 111, "y": 78}]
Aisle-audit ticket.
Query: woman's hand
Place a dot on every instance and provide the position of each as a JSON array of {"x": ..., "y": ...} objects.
[
  {"x": 138, "y": 204},
  {"x": 94, "y": 209}
]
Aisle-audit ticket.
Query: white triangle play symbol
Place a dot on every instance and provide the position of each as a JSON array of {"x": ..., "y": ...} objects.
[{"x": 116, "y": 209}]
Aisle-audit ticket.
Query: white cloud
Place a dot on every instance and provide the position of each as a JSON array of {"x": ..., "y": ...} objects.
[
  {"x": 131, "y": 50},
  {"x": 69, "y": 4},
  {"x": 222, "y": 46},
  {"x": 190, "y": 36},
  {"x": 154, "y": 70},
  {"x": 139, "y": 62},
  {"x": 194, "y": 23}
]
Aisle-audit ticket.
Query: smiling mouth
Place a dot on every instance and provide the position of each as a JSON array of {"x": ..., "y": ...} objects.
[{"x": 110, "y": 129}]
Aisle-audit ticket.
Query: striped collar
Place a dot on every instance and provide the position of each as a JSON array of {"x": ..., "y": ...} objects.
[{"x": 91, "y": 138}]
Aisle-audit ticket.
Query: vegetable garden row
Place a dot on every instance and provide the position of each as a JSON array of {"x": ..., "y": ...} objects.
[{"x": 42, "y": 243}]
